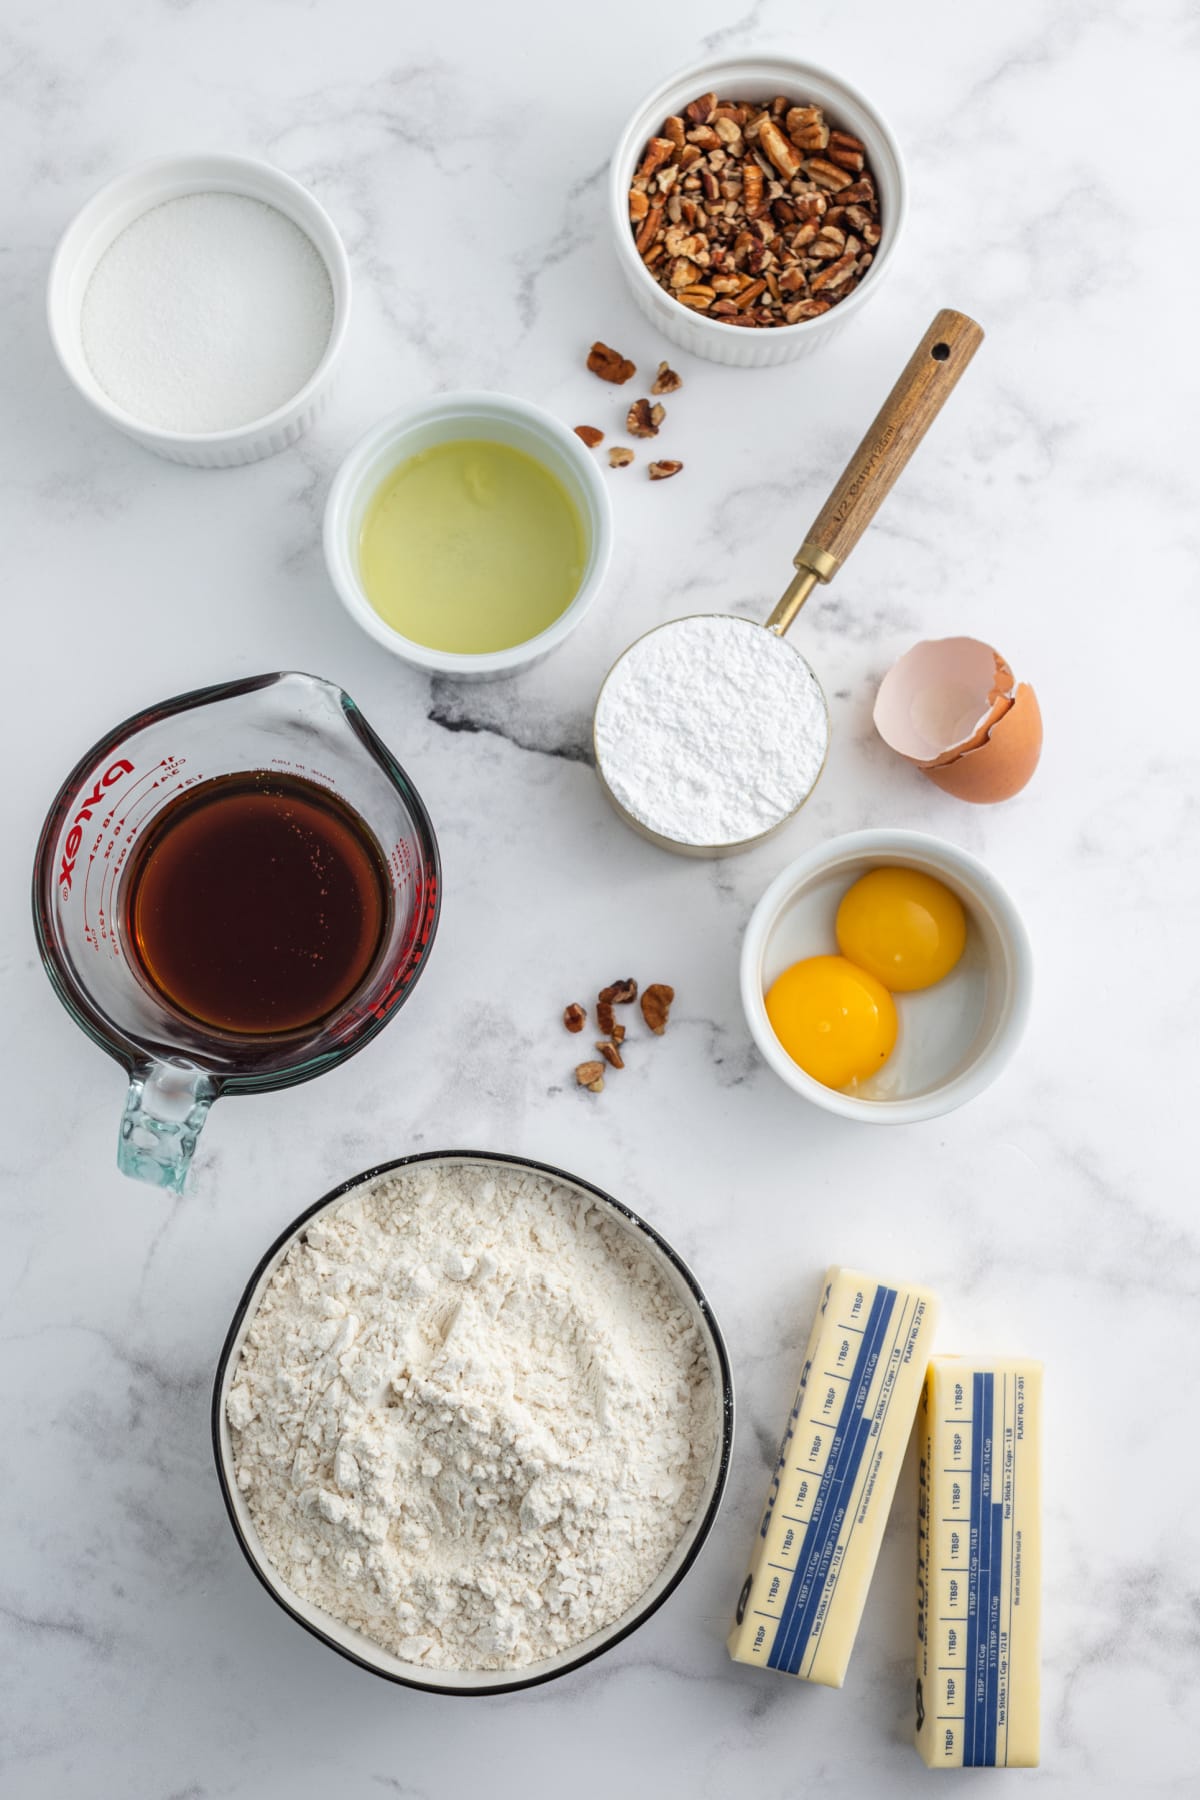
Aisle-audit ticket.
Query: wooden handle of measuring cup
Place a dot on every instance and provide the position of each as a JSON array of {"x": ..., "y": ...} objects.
[{"x": 929, "y": 379}]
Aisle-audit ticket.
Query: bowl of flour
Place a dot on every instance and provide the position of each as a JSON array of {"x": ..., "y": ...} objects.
[
  {"x": 200, "y": 305},
  {"x": 472, "y": 1421}
]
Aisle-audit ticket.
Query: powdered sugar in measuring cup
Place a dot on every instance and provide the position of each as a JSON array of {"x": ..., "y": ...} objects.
[{"x": 710, "y": 731}]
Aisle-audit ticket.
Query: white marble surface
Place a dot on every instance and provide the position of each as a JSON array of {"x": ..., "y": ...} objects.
[{"x": 1052, "y": 511}]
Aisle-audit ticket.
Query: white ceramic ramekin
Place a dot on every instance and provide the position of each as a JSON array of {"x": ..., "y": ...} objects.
[
  {"x": 956, "y": 1036},
  {"x": 757, "y": 78},
  {"x": 125, "y": 199},
  {"x": 495, "y": 418},
  {"x": 363, "y": 1650}
]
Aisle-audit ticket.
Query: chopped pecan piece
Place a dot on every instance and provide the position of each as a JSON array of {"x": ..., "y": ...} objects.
[
  {"x": 829, "y": 244},
  {"x": 656, "y": 1006},
  {"x": 752, "y": 190},
  {"x": 658, "y": 151},
  {"x": 605, "y": 1017},
  {"x": 827, "y": 173},
  {"x": 619, "y": 457},
  {"x": 702, "y": 110},
  {"x": 806, "y": 309},
  {"x": 846, "y": 151},
  {"x": 590, "y": 434},
  {"x": 667, "y": 381},
  {"x": 806, "y": 127},
  {"x": 610, "y": 1053},
  {"x": 574, "y": 1017},
  {"x": 785, "y": 156},
  {"x": 643, "y": 420},
  {"x": 749, "y": 295},
  {"x": 834, "y": 277},
  {"x": 620, "y": 993},
  {"x": 639, "y": 206},
  {"x": 662, "y": 471},
  {"x": 610, "y": 365},
  {"x": 646, "y": 235},
  {"x": 729, "y": 134},
  {"x": 590, "y": 1075}
]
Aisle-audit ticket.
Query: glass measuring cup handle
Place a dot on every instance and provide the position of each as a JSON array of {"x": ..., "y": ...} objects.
[{"x": 165, "y": 1110}]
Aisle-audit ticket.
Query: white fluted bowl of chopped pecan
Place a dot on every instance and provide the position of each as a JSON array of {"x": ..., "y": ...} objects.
[{"x": 757, "y": 203}]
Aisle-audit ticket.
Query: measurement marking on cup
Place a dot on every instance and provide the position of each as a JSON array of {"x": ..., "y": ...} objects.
[{"x": 113, "y": 866}]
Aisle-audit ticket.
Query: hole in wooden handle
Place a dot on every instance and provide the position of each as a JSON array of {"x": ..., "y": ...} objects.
[{"x": 940, "y": 353}]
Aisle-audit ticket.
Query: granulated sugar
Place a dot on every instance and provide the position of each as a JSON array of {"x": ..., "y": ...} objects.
[
  {"x": 472, "y": 1417},
  {"x": 711, "y": 730},
  {"x": 208, "y": 312}
]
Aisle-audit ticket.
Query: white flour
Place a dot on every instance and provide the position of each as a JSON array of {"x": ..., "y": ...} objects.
[
  {"x": 471, "y": 1417},
  {"x": 711, "y": 730},
  {"x": 206, "y": 313}
]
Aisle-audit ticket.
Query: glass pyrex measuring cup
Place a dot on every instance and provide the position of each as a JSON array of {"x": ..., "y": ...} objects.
[{"x": 284, "y": 724}]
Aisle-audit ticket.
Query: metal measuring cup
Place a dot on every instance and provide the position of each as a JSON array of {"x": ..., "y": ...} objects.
[{"x": 926, "y": 383}]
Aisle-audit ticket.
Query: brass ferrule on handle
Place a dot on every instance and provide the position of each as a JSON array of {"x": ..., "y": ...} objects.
[
  {"x": 812, "y": 565},
  {"x": 926, "y": 383}
]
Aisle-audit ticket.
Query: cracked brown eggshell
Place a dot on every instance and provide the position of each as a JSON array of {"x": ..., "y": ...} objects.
[{"x": 953, "y": 707}]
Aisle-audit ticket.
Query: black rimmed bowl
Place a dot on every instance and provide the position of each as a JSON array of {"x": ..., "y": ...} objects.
[{"x": 353, "y": 1644}]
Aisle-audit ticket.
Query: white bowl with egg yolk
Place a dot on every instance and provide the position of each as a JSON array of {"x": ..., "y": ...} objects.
[{"x": 954, "y": 1037}]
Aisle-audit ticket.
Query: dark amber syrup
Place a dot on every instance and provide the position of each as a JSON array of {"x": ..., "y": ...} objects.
[{"x": 256, "y": 904}]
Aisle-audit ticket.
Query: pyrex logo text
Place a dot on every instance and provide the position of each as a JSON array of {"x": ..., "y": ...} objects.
[{"x": 75, "y": 836}]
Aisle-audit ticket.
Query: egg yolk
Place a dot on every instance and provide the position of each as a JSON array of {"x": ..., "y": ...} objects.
[
  {"x": 837, "y": 1021},
  {"x": 906, "y": 928}
]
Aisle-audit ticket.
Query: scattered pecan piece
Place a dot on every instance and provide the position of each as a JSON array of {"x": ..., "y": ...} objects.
[
  {"x": 662, "y": 471},
  {"x": 590, "y": 1075},
  {"x": 643, "y": 420},
  {"x": 610, "y": 365},
  {"x": 620, "y": 993},
  {"x": 666, "y": 381},
  {"x": 610, "y": 1053},
  {"x": 617, "y": 1034},
  {"x": 656, "y": 1006},
  {"x": 605, "y": 1018},
  {"x": 574, "y": 1017},
  {"x": 619, "y": 457},
  {"x": 590, "y": 435}
]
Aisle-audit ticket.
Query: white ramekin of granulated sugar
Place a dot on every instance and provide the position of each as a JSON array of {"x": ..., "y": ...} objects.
[
  {"x": 200, "y": 304},
  {"x": 472, "y": 1421}
]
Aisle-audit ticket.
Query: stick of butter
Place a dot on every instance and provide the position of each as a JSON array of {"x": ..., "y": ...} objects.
[
  {"x": 833, "y": 1484},
  {"x": 979, "y": 1564}
]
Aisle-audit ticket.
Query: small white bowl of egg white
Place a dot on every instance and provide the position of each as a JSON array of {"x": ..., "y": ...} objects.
[
  {"x": 886, "y": 976},
  {"x": 468, "y": 534},
  {"x": 200, "y": 303}
]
